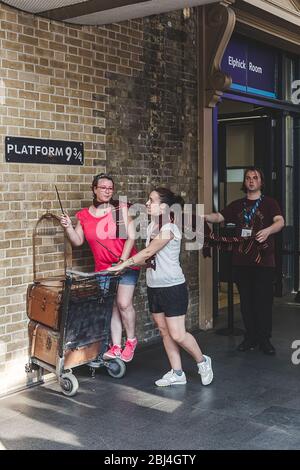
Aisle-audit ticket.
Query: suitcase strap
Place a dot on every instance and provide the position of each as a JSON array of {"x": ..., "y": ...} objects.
[{"x": 34, "y": 339}]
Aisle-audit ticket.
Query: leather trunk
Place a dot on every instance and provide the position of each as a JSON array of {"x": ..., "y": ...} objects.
[
  {"x": 43, "y": 343},
  {"x": 44, "y": 304}
]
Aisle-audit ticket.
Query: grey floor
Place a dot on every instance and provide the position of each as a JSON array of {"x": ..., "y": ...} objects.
[{"x": 253, "y": 402}]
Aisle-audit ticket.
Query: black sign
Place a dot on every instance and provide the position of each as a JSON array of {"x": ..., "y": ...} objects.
[{"x": 58, "y": 152}]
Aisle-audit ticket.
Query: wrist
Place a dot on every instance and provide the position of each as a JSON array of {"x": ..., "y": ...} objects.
[{"x": 130, "y": 261}]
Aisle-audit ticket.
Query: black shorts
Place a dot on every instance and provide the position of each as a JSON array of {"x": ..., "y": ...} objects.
[{"x": 172, "y": 301}]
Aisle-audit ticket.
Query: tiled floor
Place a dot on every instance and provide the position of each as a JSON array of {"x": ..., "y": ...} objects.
[{"x": 253, "y": 402}]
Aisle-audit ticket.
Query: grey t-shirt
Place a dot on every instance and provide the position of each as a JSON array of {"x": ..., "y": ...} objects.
[{"x": 168, "y": 270}]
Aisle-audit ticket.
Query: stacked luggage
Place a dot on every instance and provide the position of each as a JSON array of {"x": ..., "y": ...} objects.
[{"x": 70, "y": 323}]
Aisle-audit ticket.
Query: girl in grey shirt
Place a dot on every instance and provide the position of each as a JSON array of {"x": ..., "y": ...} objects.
[{"x": 166, "y": 288}]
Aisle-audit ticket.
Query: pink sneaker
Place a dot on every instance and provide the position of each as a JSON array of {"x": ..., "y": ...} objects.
[
  {"x": 114, "y": 351},
  {"x": 128, "y": 351}
]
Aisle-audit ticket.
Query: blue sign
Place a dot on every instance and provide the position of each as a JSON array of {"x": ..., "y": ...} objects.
[{"x": 252, "y": 67}]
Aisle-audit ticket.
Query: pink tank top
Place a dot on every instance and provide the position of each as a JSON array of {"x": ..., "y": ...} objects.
[{"x": 103, "y": 229}]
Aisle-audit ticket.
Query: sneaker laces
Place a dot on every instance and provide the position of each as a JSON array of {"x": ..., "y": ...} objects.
[
  {"x": 203, "y": 367},
  {"x": 131, "y": 344},
  {"x": 115, "y": 349}
]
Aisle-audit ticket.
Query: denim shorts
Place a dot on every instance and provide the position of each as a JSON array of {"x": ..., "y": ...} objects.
[{"x": 130, "y": 277}]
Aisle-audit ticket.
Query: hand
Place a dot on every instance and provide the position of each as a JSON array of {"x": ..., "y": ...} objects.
[
  {"x": 262, "y": 235},
  {"x": 117, "y": 268},
  {"x": 65, "y": 221}
]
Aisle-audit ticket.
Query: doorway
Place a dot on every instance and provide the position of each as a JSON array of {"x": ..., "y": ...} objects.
[{"x": 254, "y": 135}]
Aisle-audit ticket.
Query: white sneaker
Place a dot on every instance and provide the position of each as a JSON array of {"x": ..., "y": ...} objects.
[
  {"x": 171, "y": 378},
  {"x": 205, "y": 370}
]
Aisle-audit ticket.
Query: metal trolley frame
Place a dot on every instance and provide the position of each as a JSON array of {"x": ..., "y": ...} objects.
[
  {"x": 85, "y": 319},
  {"x": 82, "y": 334}
]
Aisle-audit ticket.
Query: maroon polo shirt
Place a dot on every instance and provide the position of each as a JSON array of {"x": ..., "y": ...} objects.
[{"x": 263, "y": 218}]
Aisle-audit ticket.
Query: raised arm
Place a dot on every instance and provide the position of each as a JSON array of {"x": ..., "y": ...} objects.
[
  {"x": 75, "y": 235},
  {"x": 130, "y": 235}
]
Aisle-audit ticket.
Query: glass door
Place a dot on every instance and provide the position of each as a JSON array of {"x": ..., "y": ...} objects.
[{"x": 252, "y": 140}]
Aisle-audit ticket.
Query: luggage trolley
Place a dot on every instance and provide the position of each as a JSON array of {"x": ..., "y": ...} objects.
[{"x": 70, "y": 325}]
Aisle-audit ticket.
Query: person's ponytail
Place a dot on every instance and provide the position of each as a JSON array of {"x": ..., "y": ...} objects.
[
  {"x": 168, "y": 197},
  {"x": 178, "y": 200}
]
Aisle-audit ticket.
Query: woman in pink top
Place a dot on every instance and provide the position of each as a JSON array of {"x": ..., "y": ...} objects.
[{"x": 100, "y": 225}]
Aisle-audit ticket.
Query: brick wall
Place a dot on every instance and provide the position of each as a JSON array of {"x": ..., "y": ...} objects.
[{"x": 128, "y": 92}]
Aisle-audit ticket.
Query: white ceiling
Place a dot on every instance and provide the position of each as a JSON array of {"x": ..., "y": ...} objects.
[{"x": 96, "y": 12}]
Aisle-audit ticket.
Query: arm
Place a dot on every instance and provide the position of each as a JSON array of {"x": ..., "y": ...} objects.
[
  {"x": 214, "y": 218},
  {"x": 161, "y": 240},
  {"x": 76, "y": 236},
  {"x": 277, "y": 225},
  {"x": 130, "y": 240}
]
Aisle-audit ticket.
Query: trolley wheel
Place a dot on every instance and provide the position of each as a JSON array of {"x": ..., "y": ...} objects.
[
  {"x": 69, "y": 384},
  {"x": 116, "y": 368}
]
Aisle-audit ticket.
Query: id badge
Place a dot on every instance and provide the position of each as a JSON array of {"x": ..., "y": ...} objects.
[{"x": 246, "y": 232}]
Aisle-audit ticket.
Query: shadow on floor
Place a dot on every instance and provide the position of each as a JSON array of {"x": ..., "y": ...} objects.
[{"x": 253, "y": 402}]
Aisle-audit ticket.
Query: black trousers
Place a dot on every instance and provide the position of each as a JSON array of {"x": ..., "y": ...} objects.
[{"x": 255, "y": 286}]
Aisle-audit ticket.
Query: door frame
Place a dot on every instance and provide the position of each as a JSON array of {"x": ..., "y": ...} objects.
[{"x": 278, "y": 111}]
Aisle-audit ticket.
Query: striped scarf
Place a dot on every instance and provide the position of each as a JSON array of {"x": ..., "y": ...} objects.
[
  {"x": 225, "y": 243},
  {"x": 245, "y": 245}
]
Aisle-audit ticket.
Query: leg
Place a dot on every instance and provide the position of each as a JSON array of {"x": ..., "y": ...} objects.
[
  {"x": 178, "y": 333},
  {"x": 244, "y": 282},
  {"x": 176, "y": 327},
  {"x": 116, "y": 326},
  {"x": 170, "y": 345},
  {"x": 263, "y": 301},
  {"x": 125, "y": 307},
  {"x": 127, "y": 312}
]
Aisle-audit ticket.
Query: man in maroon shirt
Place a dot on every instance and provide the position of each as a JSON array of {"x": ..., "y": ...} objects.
[{"x": 259, "y": 216}]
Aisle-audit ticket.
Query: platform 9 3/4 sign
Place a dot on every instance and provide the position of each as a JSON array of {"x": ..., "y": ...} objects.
[{"x": 58, "y": 152}]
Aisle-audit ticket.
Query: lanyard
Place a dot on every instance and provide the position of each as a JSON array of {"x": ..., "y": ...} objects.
[{"x": 248, "y": 215}]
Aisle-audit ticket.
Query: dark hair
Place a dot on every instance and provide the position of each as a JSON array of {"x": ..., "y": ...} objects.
[
  {"x": 259, "y": 171},
  {"x": 95, "y": 181},
  {"x": 168, "y": 197}
]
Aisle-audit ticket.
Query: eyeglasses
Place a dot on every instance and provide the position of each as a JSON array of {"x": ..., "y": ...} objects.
[{"x": 105, "y": 188}]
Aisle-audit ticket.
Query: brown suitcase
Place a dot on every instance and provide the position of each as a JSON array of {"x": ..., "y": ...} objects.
[
  {"x": 44, "y": 304},
  {"x": 43, "y": 343}
]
